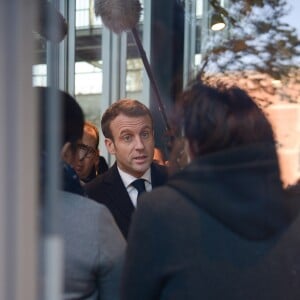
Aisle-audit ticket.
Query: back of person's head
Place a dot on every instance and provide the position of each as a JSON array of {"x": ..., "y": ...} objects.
[
  {"x": 71, "y": 118},
  {"x": 70, "y": 130},
  {"x": 219, "y": 117},
  {"x": 127, "y": 107}
]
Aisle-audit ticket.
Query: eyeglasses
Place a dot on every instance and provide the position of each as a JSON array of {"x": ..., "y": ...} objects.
[{"x": 85, "y": 151}]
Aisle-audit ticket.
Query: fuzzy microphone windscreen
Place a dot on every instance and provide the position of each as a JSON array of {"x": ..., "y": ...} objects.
[
  {"x": 118, "y": 15},
  {"x": 50, "y": 24}
]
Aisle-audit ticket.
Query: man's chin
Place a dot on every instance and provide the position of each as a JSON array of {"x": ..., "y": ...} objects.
[
  {"x": 141, "y": 168},
  {"x": 79, "y": 174}
]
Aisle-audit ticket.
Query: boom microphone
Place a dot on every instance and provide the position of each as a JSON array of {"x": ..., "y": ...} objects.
[
  {"x": 118, "y": 15},
  {"x": 123, "y": 15}
]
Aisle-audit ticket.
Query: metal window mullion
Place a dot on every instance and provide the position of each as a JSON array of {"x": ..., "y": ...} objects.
[
  {"x": 71, "y": 47},
  {"x": 189, "y": 41},
  {"x": 123, "y": 64},
  {"x": 114, "y": 53},
  {"x": 147, "y": 46},
  {"x": 205, "y": 26},
  {"x": 62, "y": 55},
  {"x": 106, "y": 85},
  {"x": 118, "y": 67},
  {"x": 53, "y": 243}
]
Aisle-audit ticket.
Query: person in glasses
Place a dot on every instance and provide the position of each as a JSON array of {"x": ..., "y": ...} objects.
[{"x": 90, "y": 163}]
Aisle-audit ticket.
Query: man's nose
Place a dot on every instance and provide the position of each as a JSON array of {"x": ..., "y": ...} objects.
[
  {"x": 139, "y": 143},
  {"x": 82, "y": 155}
]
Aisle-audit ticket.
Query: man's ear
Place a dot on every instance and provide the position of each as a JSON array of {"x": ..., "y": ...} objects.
[
  {"x": 66, "y": 153},
  {"x": 110, "y": 146}
]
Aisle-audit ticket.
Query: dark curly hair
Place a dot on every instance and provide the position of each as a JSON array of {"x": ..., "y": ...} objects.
[
  {"x": 219, "y": 117},
  {"x": 71, "y": 116}
]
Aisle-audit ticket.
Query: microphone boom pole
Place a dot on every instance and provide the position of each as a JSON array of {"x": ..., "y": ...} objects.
[
  {"x": 122, "y": 15},
  {"x": 151, "y": 77}
]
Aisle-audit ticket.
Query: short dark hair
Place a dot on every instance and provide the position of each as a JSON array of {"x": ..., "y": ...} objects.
[
  {"x": 219, "y": 117},
  {"x": 128, "y": 107},
  {"x": 93, "y": 127},
  {"x": 72, "y": 117}
]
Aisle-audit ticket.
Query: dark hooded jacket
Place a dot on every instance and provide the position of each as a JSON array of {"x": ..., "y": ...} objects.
[{"x": 220, "y": 229}]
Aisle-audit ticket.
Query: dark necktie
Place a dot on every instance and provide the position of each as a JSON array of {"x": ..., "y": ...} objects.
[{"x": 139, "y": 185}]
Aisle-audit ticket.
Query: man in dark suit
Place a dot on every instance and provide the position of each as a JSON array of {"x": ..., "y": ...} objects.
[{"x": 127, "y": 126}]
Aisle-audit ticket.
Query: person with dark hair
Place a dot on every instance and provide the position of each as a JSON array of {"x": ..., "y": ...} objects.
[
  {"x": 219, "y": 228},
  {"x": 93, "y": 244},
  {"x": 127, "y": 126},
  {"x": 90, "y": 163},
  {"x": 70, "y": 132}
]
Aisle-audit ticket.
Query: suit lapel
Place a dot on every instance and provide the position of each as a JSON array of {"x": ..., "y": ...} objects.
[{"x": 119, "y": 197}]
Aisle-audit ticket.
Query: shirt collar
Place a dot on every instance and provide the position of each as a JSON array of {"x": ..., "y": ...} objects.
[{"x": 128, "y": 179}]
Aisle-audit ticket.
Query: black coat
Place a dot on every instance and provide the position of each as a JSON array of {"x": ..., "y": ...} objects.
[
  {"x": 218, "y": 230},
  {"x": 109, "y": 190}
]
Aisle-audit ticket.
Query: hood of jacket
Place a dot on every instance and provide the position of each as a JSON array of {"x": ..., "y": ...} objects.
[{"x": 239, "y": 187}]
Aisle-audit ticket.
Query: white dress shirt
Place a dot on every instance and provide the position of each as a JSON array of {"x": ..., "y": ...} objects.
[{"x": 128, "y": 179}]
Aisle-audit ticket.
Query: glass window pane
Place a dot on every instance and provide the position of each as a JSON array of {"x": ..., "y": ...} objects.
[{"x": 88, "y": 60}]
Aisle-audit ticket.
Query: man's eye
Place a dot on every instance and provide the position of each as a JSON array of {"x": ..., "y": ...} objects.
[
  {"x": 145, "y": 135},
  {"x": 127, "y": 138},
  {"x": 82, "y": 147}
]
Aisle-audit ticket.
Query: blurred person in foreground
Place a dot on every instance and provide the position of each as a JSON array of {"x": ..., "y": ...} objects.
[
  {"x": 93, "y": 244},
  {"x": 129, "y": 135},
  {"x": 219, "y": 228}
]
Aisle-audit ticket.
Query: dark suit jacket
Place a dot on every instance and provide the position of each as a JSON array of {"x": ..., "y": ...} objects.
[{"x": 108, "y": 189}]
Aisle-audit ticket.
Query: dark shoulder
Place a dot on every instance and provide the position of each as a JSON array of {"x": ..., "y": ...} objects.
[
  {"x": 292, "y": 199},
  {"x": 159, "y": 169},
  {"x": 162, "y": 201},
  {"x": 159, "y": 174},
  {"x": 94, "y": 182},
  {"x": 102, "y": 166},
  {"x": 94, "y": 189}
]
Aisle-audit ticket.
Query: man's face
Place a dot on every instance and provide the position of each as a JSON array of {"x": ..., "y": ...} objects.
[
  {"x": 88, "y": 154},
  {"x": 132, "y": 144}
]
